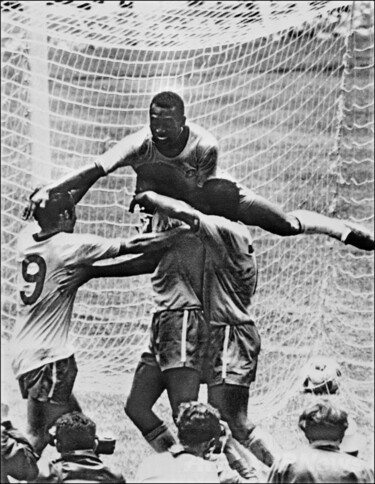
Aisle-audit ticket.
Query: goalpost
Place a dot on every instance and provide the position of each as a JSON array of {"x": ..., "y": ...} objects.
[{"x": 286, "y": 87}]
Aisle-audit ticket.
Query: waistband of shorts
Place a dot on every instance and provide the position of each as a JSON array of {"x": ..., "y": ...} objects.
[
  {"x": 160, "y": 311},
  {"x": 221, "y": 324}
]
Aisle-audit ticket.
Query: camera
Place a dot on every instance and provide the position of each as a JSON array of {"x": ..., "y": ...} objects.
[{"x": 106, "y": 445}]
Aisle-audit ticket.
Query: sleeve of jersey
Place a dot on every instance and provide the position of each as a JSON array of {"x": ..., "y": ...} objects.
[
  {"x": 123, "y": 153},
  {"x": 86, "y": 249},
  {"x": 223, "y": 237}
]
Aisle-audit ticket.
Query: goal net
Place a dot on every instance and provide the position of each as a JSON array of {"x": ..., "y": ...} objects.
[{"x": 286, "y": 87}]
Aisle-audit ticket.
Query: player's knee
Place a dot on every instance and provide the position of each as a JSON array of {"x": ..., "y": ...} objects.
[
  {"x": 130, "y": 409},
  {"x": 292, "y": 225}
]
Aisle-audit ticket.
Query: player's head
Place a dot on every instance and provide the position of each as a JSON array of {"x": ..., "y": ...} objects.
[
  {"x": 75, "y": 431},
  {"x": 321, "y": 376},
  {"x": 323, "y": 421},
  {"x": 167, "y": 117},
  {"x": 59, "y": 213},
  {"x": 221, "y": 197},
  {"x": 198, "y": 427}
]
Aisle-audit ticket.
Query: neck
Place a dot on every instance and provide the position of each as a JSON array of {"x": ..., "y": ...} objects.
[{"x": 46, "y": 233}]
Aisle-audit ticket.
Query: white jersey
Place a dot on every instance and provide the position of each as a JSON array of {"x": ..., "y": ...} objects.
[
  {"x": 44, "y": 313},
  {"x": 138, "y": 149},
  {"x": 230, "y": 271},
  {"x": 165, "y": 467}
]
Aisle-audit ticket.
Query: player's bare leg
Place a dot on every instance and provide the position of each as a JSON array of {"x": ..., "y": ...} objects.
[
  {"x": 255, "y": 210},
  {"x": 148, "y": 385},
  {"x": 232, "y": 402},
  {"x": 42, "y": 415}
]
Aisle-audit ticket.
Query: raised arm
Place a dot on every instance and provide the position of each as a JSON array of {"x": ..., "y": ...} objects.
[
  {"x": 77, "y": 182},
  {"x": 152, "y": 242},
  {"x": 169, "y": 206},
  {"x": 81, "y": 180}
]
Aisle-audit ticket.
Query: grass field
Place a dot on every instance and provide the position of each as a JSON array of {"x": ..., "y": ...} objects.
[{"x": 277, "y": 127}]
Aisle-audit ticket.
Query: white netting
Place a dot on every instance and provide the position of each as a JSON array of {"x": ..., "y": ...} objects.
[{"x": 286, "y": 87}]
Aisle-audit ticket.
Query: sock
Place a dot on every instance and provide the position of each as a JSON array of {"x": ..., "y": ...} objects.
[{"x": 161, "y": 438}]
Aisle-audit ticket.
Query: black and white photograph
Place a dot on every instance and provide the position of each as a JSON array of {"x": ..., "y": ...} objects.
[{"x": 187, "y": 241}]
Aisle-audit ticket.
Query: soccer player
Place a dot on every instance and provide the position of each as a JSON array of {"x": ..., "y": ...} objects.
[
  {"x": 184, "y": 277},
  {"x": 324, "y": 426},
  {"x": 174, "y": 158},
  {"x": 229, "y": 282},
  {"x": 43, "y": 358}
]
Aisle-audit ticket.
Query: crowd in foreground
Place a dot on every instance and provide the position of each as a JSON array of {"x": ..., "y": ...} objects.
[{"x": 329, "y": 455}]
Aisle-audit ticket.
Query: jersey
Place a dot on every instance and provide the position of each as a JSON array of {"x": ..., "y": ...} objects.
[
  {"x": 230, "y": 270},
  {"x": 177, "y": 281},
  {"x": 320, "y": 463},
  {"x": 138, "y": 149},
  {"x": 44, "y": 313},
  {"x": 184, "y": 467}
]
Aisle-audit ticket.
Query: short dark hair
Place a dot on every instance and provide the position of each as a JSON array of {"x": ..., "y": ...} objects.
[
  {"x": 57, "y": 204},
  {"x": 323, "y": 421},
  {"x": 222, "y": 198},
  {"x": 169, "y": 100},
  {"x": 197, "y": 422},
  {"x": 75, "y": 431}
]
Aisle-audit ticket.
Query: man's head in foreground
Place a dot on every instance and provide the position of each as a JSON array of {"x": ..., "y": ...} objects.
[
  {"x": 198, "y": 427},
  {"x": 324, "y": 421}
]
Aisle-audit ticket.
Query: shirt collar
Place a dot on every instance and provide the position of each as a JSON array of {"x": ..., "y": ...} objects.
[{"x": 331, "y": 444}]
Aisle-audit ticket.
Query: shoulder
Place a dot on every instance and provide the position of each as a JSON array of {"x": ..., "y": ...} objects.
[
  {"x": 205, "y": 138},
  {"x": 25, "y": 235},
  {"x": 222, "y": 225},
  {"x": 138, "y": 138}
]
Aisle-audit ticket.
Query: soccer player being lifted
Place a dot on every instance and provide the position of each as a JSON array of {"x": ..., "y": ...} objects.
[
  {"x": 42, "y": 355},
  {"x": 174, "y": 158}
]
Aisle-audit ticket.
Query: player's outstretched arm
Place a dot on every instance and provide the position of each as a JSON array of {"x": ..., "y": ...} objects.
[
  {"x": 78, "y": 182},
  {"x": 152, "y": 242},
  {"x": 143, "y": 264},
  {"x": 169, "y": 206}
]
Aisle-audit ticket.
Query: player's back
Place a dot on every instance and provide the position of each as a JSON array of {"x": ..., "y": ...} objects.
[
  {"x": 178, "y": 279},
  {"x": 41, "y": 332},
  {"x": 230, "y": 270}
]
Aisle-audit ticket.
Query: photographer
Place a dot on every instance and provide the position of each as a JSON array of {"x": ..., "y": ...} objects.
[
  {"x": 18, "y": 460},
  {"x": 75, "y": 439}
]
